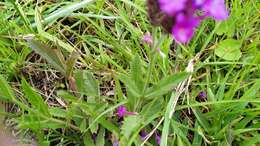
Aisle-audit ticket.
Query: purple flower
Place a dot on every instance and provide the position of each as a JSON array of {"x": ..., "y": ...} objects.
[
  {"x": 116, "y": 143},
  {"x": 184, "y": 14},
  {"x": 216, "y": 9},
  {"x": 143, "y": 134},
  {"x": 94, "y": 136},
  {"x": 147, "y": 38},
  {"x": 184, "y": 28},
  {"x": 170, "y": 7},
  {"x": 202, "y": 94},
  {"x": 199, "y": 2},
  {"x": 121, "y": 111},
  {"x": 157, "y": 138}
]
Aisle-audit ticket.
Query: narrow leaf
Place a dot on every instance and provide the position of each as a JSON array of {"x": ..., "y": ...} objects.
[
  {"x": 137, "y": 74},
  {"x": 53, "y": 56},
  {"x": 131, "y": 124},
  {"x": 35, "y": 99},
  {"x": 6, "y": 92},
  {"x": 87, "y": 84},
  {"x": 166, "y": 85},
  {"x": 70, "y": 63}
]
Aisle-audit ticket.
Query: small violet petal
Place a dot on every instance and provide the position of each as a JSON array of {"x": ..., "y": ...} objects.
[
  {"x": 202, "y": 94},
  {"x": 216, "y": 9},
  {"x": 116, "y": 143},
  {"x": 143, "y": 134},
  {"x": 157, "y": 138},
  {"x": 183, "y": 30},
  {"x": 121, "y": 111},
  {"x": 147, "y": 38},
  {"x": 170, "y": 7}
]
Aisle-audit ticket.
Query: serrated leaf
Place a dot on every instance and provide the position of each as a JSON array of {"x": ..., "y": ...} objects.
[
  {"x": 131, "y": 123},
  {"x": 165, "y": 85},
  {"x": 87, "y": 84},
  {"x": 136, "y": 73},
  {"x": 229, "y": 49},
  {"x": 38, "y": 19},
  {"x": 83, "y": 125},
  {"x": 35, "y": 99},
  {"x": 35, "y": 122},
  {"x": 100, "y": 141},
  {"x": 67, "y": 96},
  {"x": 130, "y": 84},
  {"x": 53, "y": 56},
  {"x": 58, "y": 112},
  {"x": 151, "y": 110},
  {"x": 108, "y": 125},
  {"x": 70, "y": 63},
  {"x": 88, "y": 141},
  {"x": 94, "y": 127},
  {"x": 6, "y": 92}
]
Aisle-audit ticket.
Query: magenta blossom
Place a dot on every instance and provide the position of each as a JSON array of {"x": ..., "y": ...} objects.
[
  {"x": 170, "y": 7},
  {"x": 216, "y": 9},
  {"x": 185, "y": 15},
  {"x": 122, "y": 112},
  {"x": 147, "y": 38},
  {"x": 184, "y": 28}
]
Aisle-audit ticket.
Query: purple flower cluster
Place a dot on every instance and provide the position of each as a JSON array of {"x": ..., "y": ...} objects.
[
  {"x": 122, "y": 112},
  {"x": 187, "y": 15}
]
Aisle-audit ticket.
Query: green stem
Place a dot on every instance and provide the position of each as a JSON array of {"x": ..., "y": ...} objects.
[{"x": 152, "y": 63}]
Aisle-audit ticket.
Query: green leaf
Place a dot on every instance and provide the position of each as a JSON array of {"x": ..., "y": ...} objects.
[
  {"x": 165, "y": 85},
  {"x": 34, "y": 122},
  {"x": 178, "y": 131},
  {"x": 229, "y": 49},
  {"x": 201, "y": 119},
  {"x": 87, "y": 84},
  {"x": 94, "y": 127},
  {"x": 65, "y": 11},
  {"x": 152, "y": 110},
  {"x": 252, "y": 92},
  {"x": 38, "y": 19},
  {"x": 71, "y": 62},
  {"x": 35, "y": 99},
  {"x": 83, "y": 125},
  {"x": 58, "y": 112},
  {"x": 53, "y": 56},
  {"x": 67, "y": 96},
  {"x": 130, "y": 84},
  {"x": 137, "y": 74},
  {"x": 108, "y": 124},
  {"x": 6, "y": 92},
  {"x": 226, "y": 27},
  {"x": 251, "y": 141},
  {"x": 131, "y": 123},
  {"x": 167, "y": 120},
  {"x": 88, "y": 141},
  {"x": 101, "y": 137}
]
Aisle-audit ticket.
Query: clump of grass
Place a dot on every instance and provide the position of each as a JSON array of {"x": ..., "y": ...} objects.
[{"x": 90, "y": 60}]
